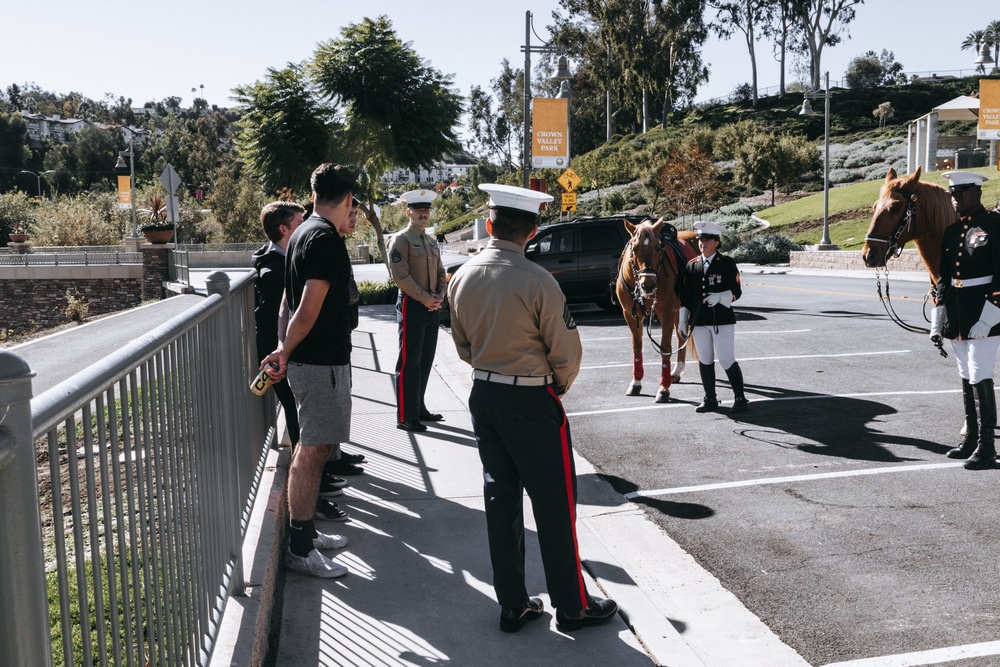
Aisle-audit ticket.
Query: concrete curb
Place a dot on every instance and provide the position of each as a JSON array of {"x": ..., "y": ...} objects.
[{"x": 251, "y": 621}]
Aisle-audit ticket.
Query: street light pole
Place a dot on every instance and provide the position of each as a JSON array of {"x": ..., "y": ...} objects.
[
  {"x": 39, "y": 178},
  {"x": 130, "y": 153},
  {"x": 825, "y": 243},
  {"x": 561, "y": 75}
]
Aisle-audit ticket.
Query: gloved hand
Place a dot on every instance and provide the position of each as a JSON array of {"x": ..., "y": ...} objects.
[
  {"x": 937, "y": 323},
  {"x": 726, "y": 298},
  {"x": 989, "y": 318},
  {"x": 712, "y": 299},
  {"x": 682, "y": 323}
]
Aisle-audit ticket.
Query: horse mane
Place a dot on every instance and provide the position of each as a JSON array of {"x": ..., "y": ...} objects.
[{"x": 933, "y": 201}]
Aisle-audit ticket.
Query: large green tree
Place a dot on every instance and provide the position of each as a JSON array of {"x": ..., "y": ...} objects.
[
  {"x": 284, "y": 132},
  {"x": 749, "y": 18},
  {"x": 820, "y": 24},
  {"x": 395, "y": 109}
]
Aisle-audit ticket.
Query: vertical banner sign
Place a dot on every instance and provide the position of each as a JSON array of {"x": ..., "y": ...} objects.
[
  {"x": 124, "y": 192},
  {"x": 549, "y": 132},
  {"x": 989, "y": 109}
]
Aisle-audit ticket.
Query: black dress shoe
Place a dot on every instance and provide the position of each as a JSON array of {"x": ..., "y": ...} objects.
[
  {"x": 352, "y": 458},
  {"x": 414, "y": 426},
  {"x": 598, "y": 611},
  {"x": 739, "y": 405},
  {"x": 339, "y": 468},
  {"x": 426, "y": 416},
  {"x": 708, "y": 404},
  {"x": 512, "y": 620}
]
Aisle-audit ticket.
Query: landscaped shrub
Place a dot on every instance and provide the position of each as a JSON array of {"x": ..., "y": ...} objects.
[
  {"x": 765, "y": 249},
  {"x": 375, "y": 293},
  {"x": 739, "y": 208}
]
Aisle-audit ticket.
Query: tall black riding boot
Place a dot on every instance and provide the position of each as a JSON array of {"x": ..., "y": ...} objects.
[
  {"x": 710, "y": 402},
  {"x": 735, "y": 375},
  {"x": 971, "y": 439},
  {"x": 985, "y": 455}
]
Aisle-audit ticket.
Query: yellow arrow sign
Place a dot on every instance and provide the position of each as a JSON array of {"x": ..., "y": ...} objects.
[
  {"x": 568, "y": 202},
  {"x": 569, "y": 180}
]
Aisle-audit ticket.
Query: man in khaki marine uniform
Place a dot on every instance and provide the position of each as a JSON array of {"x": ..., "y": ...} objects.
[
  {"x": 416, "y": 268},
  {"x": 510, "y": 322}
]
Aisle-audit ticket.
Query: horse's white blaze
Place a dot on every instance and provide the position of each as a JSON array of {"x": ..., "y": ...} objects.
[{"x": 645, "y": 242}]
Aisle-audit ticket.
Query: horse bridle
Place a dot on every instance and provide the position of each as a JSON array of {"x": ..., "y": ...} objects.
[
  {"x": 893, "y": 249},
  {"x": 638, "y": 299},
  {"x": 893, "y": 246}
]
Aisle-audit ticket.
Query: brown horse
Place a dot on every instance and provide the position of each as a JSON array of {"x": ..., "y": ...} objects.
[
  {"x": 908, "y": 210},
  {"x": 647, "y": 277}
]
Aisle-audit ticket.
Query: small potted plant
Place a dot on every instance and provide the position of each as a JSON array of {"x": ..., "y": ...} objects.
[
  {"x": 19, "y": 234},
  {"x": 156, "y": 229}
]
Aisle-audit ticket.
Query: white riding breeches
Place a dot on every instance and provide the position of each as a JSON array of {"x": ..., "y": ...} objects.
[
  {"x": 715, "y": 341},
  {"x": 975, "y": 357}
]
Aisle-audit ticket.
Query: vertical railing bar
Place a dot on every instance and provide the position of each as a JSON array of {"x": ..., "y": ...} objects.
[
  {"x": 116, "y": 408},
  {"x": 59, "y": 538},
  {"x": 155, "y": 587},
  {"x": 133, "y": 486},
  {"x": 196, "y": 471},
  {"x": 102, "y": 511},
  {"x": 79, "y": 551},
  {"x": 184, "y": 385},
  {"x": 93, "y": 517},
  {"x": 179, "y": 514},
  {"x": 163, "y": 495},
  {"x": 147, "y": 527},
  {"x": 107, "y": 499}
]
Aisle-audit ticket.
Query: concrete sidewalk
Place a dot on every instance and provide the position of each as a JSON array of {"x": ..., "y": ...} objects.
[{"x": 419, "y": 590}]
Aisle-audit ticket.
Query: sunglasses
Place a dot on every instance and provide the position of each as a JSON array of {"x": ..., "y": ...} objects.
[{"x": 955, "y": 189}]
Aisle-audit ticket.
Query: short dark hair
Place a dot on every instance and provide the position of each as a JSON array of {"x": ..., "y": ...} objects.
[
  {"x": 332, "y": 182},
  {"x": 276, "y": 214},
  {"x": 511, "y": 224}
]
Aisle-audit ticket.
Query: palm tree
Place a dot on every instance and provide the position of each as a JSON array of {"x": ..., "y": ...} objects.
[
  {"x": 993, "y": 34},
  {"x": 975, "y": 40}
]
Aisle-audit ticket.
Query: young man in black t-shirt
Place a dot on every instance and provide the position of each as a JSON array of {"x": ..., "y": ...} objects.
[{"x": 315, "y": 353}]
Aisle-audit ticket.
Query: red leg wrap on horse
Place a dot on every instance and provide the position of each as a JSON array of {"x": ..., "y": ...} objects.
[
  {"x": 637, "y": 370},
  {"x": 665, "y": 378}
]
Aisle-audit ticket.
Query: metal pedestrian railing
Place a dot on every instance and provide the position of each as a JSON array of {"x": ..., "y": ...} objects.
[
  {"x": 127, "y": 491},
  {"x": 71, "y": 258}
]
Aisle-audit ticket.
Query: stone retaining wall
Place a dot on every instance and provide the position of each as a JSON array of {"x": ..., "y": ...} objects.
[
  {"x": 850, "y": 260},
  {"x": 34, "y": 297}
]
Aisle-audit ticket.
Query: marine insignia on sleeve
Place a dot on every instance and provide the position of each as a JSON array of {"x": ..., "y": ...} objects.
[
  {"x": 568, "y": 317},
  {"x": 396, "y": 257}
]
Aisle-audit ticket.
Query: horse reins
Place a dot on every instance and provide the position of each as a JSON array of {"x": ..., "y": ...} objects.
[
  {"x": 893, "y": 249},
  {"x": 639, "y": 300}
]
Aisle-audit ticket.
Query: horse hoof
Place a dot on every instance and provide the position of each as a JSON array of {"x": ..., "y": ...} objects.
[
  {"x": 663, "y": 396},
  {"x": 634, "y": 389}
]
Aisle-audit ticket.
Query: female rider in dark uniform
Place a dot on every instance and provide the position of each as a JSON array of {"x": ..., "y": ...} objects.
[{"x": 711, "y": 284}]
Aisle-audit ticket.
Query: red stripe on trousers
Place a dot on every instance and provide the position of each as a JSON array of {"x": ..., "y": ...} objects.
[
  {"x": 567, "y": 453},
  {"x": 402, "y": 363}
]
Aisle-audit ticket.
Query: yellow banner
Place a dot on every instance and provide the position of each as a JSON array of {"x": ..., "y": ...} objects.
[
  {"x": 124, "y": 192},
  {"x": 989, "y": 109},
  {"x": 549, "y": 132}
]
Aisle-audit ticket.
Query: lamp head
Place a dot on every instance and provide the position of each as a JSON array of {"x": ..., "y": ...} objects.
[
  {"x": 984, "y": 56},
  {"x": 807, "y": 107}
]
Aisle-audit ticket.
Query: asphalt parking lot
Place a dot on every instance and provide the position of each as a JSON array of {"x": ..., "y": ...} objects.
[{"x": 828, "y": 508}]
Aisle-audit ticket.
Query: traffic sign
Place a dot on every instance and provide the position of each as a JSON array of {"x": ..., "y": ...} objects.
[
  {"x": 171, "y": 180},
  {"x": 569, "y": 180},
  {"x": 569, "y": 202}
]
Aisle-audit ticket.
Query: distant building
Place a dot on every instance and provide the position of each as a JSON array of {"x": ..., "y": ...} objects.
[
  {"x": 54, "y": 127},
  {"x": 450, "y": 168}
]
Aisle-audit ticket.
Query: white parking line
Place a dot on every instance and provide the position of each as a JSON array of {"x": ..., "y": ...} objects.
[
  {"x": 931, "y": 657},
  {"x": 738, "y": 333},
  {"x": 791, "y": 356},
  {"x": 761, "y": 399},
  {"x": 791, "y": 478}
]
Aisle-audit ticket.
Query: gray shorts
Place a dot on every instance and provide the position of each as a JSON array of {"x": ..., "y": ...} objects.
[{"x": 323, "y": 398}]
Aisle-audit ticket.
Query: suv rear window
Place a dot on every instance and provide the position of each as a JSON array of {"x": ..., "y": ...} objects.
[
  {"x": 600, "y": 237},
  {"x": 558, "y": 241}
]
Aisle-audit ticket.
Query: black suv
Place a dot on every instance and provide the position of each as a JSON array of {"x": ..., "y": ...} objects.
[{"x": 582, "y": 255}]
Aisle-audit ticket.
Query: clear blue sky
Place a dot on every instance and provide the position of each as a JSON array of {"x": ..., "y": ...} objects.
[{"x": 149, "y": 51}]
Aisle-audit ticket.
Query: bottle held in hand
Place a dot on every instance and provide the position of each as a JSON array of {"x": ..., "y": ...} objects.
[{"x": 262, "y": 381}]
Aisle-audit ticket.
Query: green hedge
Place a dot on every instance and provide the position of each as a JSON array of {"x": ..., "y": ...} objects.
[{"x": 374, "y": 293}]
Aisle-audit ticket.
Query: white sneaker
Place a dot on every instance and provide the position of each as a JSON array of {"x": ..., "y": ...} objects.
[
  {"x": 315, "y": 565},
  {"x": 329, "y": 541},
  {"x": 331, "y": 494}
]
